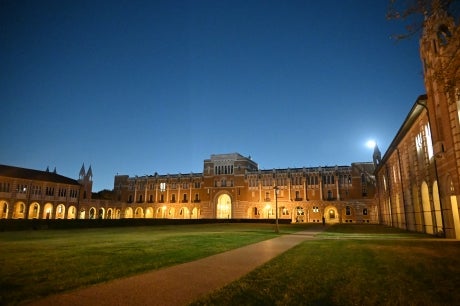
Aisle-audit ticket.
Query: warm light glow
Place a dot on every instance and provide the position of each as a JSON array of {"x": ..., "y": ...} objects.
[{"x": 371, "y": 144}]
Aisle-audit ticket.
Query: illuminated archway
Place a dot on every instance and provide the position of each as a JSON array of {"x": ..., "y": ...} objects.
[
  {"x": 171, "y": 213},
  {"x": 139, "y": 213},
  {"x": 268, "y": 212},
  {"x": 72, "y": 212},
  {"x": 101, "y": 213},
  {"x": 60, "y": 211},
  {"x": 92, "y": 213},
  {"x": 331, "y": 214},
  {"x": 427, "y": 209},
  {"x": 224, "y": 207},
  {"x": 195, "y": 213},
  {"x": 437, "y": 207},
  {"x": 48, "y": 211},
  {"x": 128, "y": 212},
  {"x": 184, "y": 213},
  {"x": 34, "y": 211},
  {"x": 82, "y": 214},
  {"x": 455, "y": 213},
  {"x": 3, "y": 210},
  {"x": 109, "y": 213},
  {"x": 149, "y": 212},
  {"x": 19, "y": 210},
  {"x": 161, "y": 212}
]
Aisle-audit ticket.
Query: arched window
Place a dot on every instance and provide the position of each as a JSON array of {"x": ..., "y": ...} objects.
[{"x": 444, "y": 35}]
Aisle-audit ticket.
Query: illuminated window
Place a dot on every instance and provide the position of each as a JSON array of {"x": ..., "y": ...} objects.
[
  {"x": 429, "y": 143},
  {"x": 162, "y": 186},
  {"x": 418, "y": 142}
]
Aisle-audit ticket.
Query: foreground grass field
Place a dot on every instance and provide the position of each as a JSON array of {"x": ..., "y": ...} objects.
[
  {"x": 39, "y": 263},
  {"x": 353, "y": 265},
  {"x": 345, "y": 265}
]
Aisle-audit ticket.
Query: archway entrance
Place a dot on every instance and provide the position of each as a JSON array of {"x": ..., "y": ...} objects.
[
  {"x": 331, "y": 214},
  {"x": 224, "y": 207}
]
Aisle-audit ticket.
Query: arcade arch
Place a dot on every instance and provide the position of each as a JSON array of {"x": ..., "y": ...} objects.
[
  {"x": 19, "y": 210},
  {"x": 139, "y": 213},
  {"x": 72, "y": 212},
  {"x": 60, "y": 211},
  {"x": 3, "y": 210},
  {"x": 428, "y": 225},
  {"x": 92, "y": 213},
  {"x": 454, "y": 205},
  {"x": 48, "y": 211},
  {"x": 109, "y": 213},
  {"x": 34, "y": 211},
  {"x": 437, "y": 208},
  {"x": 101, "y": 213},
  {"x": 128, "y": 212},
  {"x": 196, "y": 213},
  {"x": 149, "y": 212},
  {"x": 184, "y": 213},
  {"x": 224, "y": 207}
]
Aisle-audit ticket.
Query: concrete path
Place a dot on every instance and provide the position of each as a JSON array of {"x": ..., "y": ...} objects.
[{"x": 181, "y": 284}]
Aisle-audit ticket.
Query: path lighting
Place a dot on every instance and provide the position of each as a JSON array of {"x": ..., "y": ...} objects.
[{"x": 276, "y": 209}]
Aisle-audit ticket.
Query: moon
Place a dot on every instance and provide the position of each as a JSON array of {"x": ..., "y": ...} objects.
[{"x": 370, "y": 144}]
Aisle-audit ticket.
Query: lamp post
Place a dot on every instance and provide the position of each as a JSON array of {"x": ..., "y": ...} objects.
[{"x": 276, "y": 209}]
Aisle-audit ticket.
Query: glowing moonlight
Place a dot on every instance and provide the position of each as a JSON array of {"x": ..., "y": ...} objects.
[{"x": 370, "y": 144}]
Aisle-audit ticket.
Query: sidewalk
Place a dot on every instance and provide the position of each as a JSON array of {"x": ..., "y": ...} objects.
[{"x": 181, "y": 284}]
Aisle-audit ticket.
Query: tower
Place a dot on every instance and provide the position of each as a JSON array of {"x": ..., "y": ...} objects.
[
  {"x": 86, "y": 181},
  {"x": 440, "y": 54},
  {"x": 377, "y": 156}
]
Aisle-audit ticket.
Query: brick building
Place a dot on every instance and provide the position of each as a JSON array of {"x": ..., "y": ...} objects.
[
  {"x": 232, "y": 186},
  {"x": 418, "y": 177}
]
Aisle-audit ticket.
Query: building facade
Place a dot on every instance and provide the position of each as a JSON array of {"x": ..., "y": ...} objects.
[
  {"x": 418, "y": 177},
  {"x": 34, "y": 194},
  {"x": 232, "y": 186}
]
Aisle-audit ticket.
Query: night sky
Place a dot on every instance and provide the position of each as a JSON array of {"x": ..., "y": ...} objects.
[{"x": 138, "y": 87}]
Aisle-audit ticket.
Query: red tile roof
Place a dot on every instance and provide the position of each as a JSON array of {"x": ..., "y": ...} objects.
[{"x": 36, "y": 175}]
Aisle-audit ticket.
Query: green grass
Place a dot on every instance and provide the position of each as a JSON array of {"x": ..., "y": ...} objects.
[
  {"x": 345, "y": 265},
  {"x": 39, "y": 263},
  {"x": 353, "y": 265}
]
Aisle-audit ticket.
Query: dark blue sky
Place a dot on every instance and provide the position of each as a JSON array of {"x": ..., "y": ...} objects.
[{"x": 137, "y": 87}]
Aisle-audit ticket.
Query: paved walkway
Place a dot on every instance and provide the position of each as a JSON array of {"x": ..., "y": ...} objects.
[{"x": 181, "y": 284}]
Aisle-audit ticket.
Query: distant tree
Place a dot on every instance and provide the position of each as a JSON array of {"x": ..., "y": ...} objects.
[{"x": 414, "y": 12}]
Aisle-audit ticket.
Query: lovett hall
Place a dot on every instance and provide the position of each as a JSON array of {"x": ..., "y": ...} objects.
[{"x": 414, "y": 185}]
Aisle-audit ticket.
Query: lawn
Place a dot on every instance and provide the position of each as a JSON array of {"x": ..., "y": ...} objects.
[
  {"x": 38, "y": 263},
  {"x": 353, "y": 265},
  {"x": 345, "y": 265}
]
